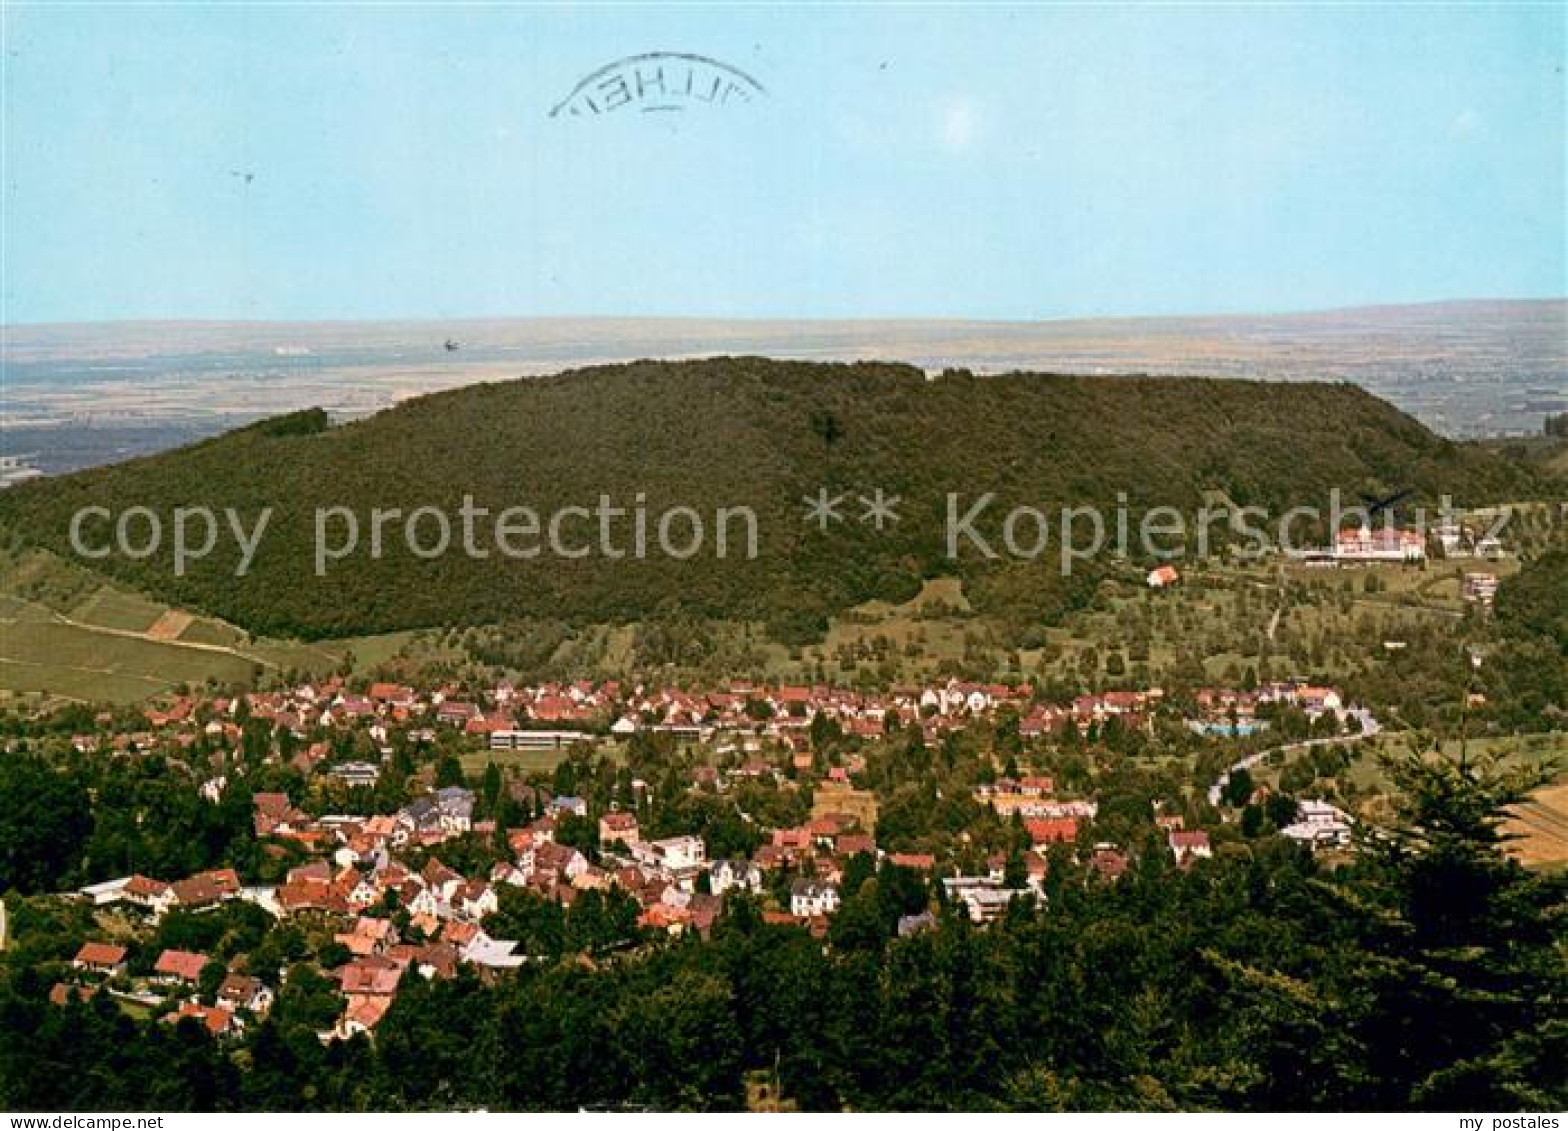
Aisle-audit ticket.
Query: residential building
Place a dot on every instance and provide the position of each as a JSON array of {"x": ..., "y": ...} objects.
[{"x": 809, "y": 900}]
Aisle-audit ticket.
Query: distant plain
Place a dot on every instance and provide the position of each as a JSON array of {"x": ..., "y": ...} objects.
[{"x": 79, "y": 395}]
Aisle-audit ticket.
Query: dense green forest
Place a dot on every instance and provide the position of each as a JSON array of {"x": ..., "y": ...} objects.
[
  {"x": 1526, "y": 677},
  {"x": 1535, "y": 603},
  {"x": 739, "y": 432},
  {"x": 1428, "y": 974}
]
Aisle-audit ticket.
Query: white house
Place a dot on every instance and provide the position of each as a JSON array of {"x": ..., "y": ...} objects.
[
  {"x": 1319, "y": 825},
  {"x": 808, "y": 899},
  {"x": 680, "y": 856},
  {"x": 1188, "y": 845},
  {"x": 725, "y": 875},
  {"x": 1364, "y": 544},
  {"x": 476, "y": 900},
  {"x": 240, "y": 991}
]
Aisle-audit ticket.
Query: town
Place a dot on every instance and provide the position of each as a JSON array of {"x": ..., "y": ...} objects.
[
  {"x": 440, "y": 870},
  {"x": 1002, "y": 559}
]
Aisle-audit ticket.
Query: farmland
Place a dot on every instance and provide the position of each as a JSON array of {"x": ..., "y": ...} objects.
[
  {"x": 65, "y": 635},
  {"x": 1541, "y": 825}
]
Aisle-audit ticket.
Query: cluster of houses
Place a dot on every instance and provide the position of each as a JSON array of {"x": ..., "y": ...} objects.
[
  {"x": 236, "y": 999},
  {"x": 552, "y": 715},
  {"x": 742, "y": 718},
  {"x": 1369, "y": 545},
  {"x": 1232, "y": 713},
  {"x": 1381, "y": 544},
  {"x": 1047, "y": 819},
  {"x": 1459, "y": 541},
  {"x": 357, "y": 878},
  {"x": 394, "y": 921},
  {"x": 1319, "y": 825},
  {"x": 199, "y": 892},
  {"x": 784, "y": 713}
]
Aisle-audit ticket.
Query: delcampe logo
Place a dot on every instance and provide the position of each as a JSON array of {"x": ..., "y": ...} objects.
[{"x": 659, "y": 82}]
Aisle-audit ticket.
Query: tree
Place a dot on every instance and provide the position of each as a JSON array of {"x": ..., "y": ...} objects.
[
  {"x": 1466, "y": 977},
  {"x": 449, "y": 771},
  {"x": 490, "y": 787},
  {"x": 859, "y": 922},
  {"x": 1015, "y": 872},
  {"x": 825, "y": 731},
  {"x": 1251, "y": 821},
  {"x": 581, "y": 833},
  {"x": 683, "y": 1043},
  {"x": 44, "y": 823},
  {"x": 824, "y": 423},
  {"x": 1281, "y": 810},
  {"x": 1239, "y": 787},
  {"x": 212, "y": 975}
]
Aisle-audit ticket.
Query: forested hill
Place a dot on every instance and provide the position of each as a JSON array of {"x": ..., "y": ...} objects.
[{"x": 733, "y": 432}]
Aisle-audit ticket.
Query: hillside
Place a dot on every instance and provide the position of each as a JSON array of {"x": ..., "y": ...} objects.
[
  {"x": 1530, "y": 670},
  {"x": 737, "y": 432},
  {"x": 1548, "y": 454}
]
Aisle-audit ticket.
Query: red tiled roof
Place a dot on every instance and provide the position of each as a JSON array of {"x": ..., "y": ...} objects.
[
  {"x": 239, "y": 989},
  {"x": 100, "y": 954},
  {"x": 207, "y": 887},
  {"x": 853, "y": 844},
  {"x": 370, "y": 976},
  {"x": 272, "y": 804},
  {"x": 63, "y": 993},
  {"x": 216, "y": 1019},
  {"x": 366, "y": 1011},
  {"x": 1052, "y": 830},
  {"x": 142, "y": 886},
  {"x": 182, "y": 964}
]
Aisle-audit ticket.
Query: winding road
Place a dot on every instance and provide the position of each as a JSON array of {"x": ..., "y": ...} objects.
[{"x": 1369, "y": 727}]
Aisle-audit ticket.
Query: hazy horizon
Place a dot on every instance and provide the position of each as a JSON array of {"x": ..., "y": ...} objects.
[
  {"x": 792, "y": 319},
  {"x": 85, "y": 393},
  {"x": 128, "y": 332}
]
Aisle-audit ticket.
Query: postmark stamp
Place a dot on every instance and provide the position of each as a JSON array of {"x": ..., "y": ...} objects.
[{"x": 659, "y": 82}]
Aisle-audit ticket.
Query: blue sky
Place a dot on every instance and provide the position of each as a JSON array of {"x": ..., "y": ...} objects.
[{"x": 1007, "y": 162}]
